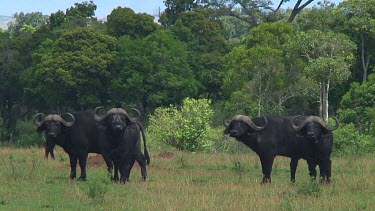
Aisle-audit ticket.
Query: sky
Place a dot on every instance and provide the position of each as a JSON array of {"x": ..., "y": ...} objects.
[{"x": 104, "y": 7}]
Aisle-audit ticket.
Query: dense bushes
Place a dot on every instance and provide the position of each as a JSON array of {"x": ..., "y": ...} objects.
[
  {"x": 183, "y": 128},
  {"x": 348, "y": 140}
]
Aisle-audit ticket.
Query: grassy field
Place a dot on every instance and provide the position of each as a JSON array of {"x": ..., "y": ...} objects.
[{"x": 182, "y": 181}]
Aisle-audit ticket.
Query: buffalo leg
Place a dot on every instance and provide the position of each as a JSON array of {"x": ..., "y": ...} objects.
[
  {"x": 124, "y": 168},
  {"x": 129, "y": 167},
  {"x": 108, "y": 162},
  {"x": 312, "y": 169},
  {"x": 82, "y": 165},
  {"x": 293, "y": 169},
  {"x": 48, "y": 149},
  {"x": 324, "y": 167},
  {"x": 267, "y": 162},
  {"x": 116, "y": 170},
  {"x": 73, "y": 166},
  {"x": 141, "y": 159}
]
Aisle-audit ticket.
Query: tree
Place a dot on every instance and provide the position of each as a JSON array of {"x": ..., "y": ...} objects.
[
  {"x": 11, "y": 66},
  {"x": 34, "y": 19},
  {"x": 259, "y": 79},
  {"x": 204, "y": 36},
  {"x": 81, "y": 15},
  {"x": 327, "y": 56},
  {"x": 174, "y": 9},
  {"x": 124, "y": 21},
  {"x": 73, "y": 71},
  {"x": 153, "y": 71},
  {"x": 360, "y": 24},
  {"x": 358, "y": 105},
  {"x": 253, "y": 12}
]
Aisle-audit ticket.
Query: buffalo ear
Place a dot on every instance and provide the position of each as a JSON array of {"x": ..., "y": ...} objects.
[
  {"x": 325, "y": 132},
  {"x": 227, "y": 130},
  {"x": 301, "y": 133},
  {"x": 41, "y": 128}
]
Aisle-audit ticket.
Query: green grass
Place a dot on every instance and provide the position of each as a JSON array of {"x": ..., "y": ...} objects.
[{"x": 182, "y": 181}]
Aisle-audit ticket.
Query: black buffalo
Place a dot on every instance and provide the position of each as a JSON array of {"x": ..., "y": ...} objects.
[
  {"x": 123, "y": 135},
  {"x": 77, "y": 137},
  {"x": 311, "y": 140}
]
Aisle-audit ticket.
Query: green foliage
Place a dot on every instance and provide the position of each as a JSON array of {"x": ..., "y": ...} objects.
[
  {"x": 73, "y": 70},
  {"x": 357, "y": 106},
  {"x": 184, "y": 128},
  {"x": 16, "y": 169},
  {"x": 260, "y": 80},
  {"x": 32, "y": 20},
  {"x": 310, "y": 189},
  {"x": 97, "y": 188},
  {"x": 153, "y": 71},
  {"x": 124, "y": 21},
  {"x": 348, "y": 140},
  {"x": 26, "y": 135}
]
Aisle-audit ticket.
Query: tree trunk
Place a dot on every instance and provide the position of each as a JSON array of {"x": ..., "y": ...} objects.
[
  {"x": 323, "y": 111},
  {"x": 365, "y": 60}
]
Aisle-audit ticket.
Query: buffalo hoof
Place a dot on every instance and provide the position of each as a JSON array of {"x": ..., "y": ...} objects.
[
  {"x": 81, "y": 179},
  {"x": 123, "y": 181}
]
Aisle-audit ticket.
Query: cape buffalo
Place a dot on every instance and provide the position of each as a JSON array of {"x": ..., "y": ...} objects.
[
  {"x": 319, "y": 134},
  {"x": 123, "y": 134},
  {"x": 271, "y": 136},
  {"x": 77, "y": 137}
]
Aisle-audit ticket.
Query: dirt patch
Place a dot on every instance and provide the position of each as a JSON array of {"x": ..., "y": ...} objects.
[
  {"x": 95, "y": 160},
  {"x": 166, "y": 155}
]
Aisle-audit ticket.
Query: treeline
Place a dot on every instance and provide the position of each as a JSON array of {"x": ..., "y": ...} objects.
[{"x": 248, "y": 59}]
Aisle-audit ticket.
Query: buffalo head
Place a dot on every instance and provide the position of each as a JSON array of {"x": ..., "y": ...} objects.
[
  {"x": 313, "y": 127},
  {"x": 116, "y": 119},
  {"x": 242, "y": 125},
  {"x": 51, "y": 124}
]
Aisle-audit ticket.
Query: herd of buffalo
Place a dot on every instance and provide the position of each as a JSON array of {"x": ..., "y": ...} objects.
[{"x": 118, "y": 138}]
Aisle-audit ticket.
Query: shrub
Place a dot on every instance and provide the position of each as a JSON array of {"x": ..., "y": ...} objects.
[
  {"x": 348, "y": 140},
  {"x": 27, "y": 135},
  {"x": 184, "y": 128}
]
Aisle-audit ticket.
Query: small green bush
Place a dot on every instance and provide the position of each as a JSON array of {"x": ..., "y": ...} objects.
[
  {"x": 27, "y": 135},
  {"x": 185, "y": 128},
  {"x": 348, "y": 140}
]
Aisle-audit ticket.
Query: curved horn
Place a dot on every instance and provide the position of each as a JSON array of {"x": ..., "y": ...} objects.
[
  {"x": 249, "y": 122},
  {"x": 299, "y": 127},
  {"x": 138, "y": 117},
  {"x": 66, "y": 123},
  {"x": 256, "y": 127},
  {"x": 325, "y": 125},
  {"x": 36, "y": 122},
  {"x": 99, "y": 118},
  {"x": 226, "y": 122}
]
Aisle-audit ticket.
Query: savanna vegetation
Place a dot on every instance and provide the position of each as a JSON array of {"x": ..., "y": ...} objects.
[
  {"x": 202, "y": 62},
  {"x": 181, "y": 180}
]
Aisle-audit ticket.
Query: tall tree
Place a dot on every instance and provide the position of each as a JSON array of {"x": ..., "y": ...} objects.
[
  {"x": 253, "y": 12},
  {"x": 124, "y": 21},
  {"x": 34, "y": 19},
  {"x": 174, "y": 9},
  {"x": 327, "y": 56},
  {"x": 358, "y": 106},
  {"x": 153, "y": 71},
  {"x": 12, "y": 64},
  {"x": 204, "y": 36},
  {"x": 73, "y": 71},
  {"x": 260, "y": 80},
  {"x": 360, "y": 24}
]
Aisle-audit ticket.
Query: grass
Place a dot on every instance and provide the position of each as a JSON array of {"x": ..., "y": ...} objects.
[{"x": 182, "y": 181}]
